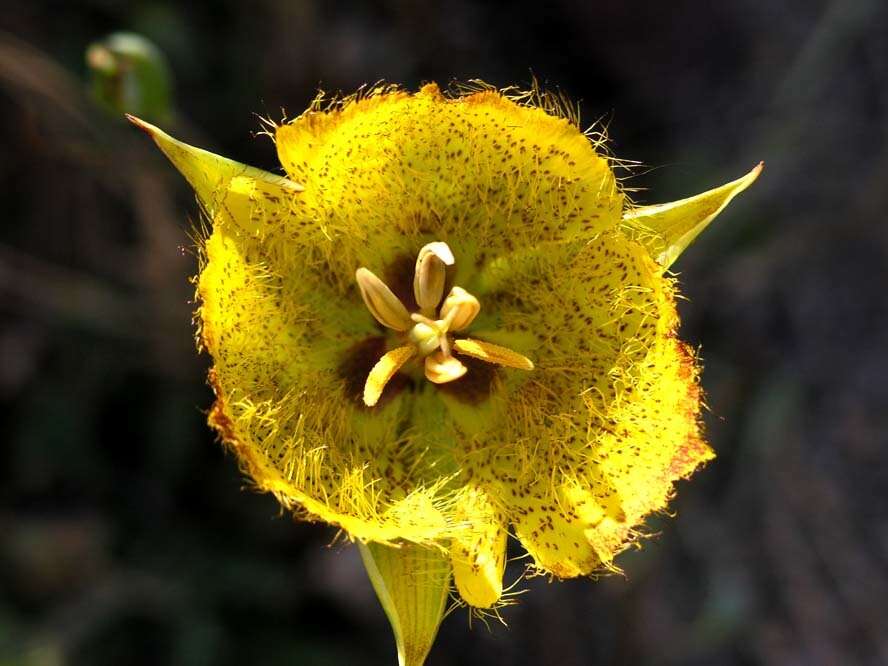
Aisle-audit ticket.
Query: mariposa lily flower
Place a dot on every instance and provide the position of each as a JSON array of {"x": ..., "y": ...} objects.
[{"x": 444, "y": 325}]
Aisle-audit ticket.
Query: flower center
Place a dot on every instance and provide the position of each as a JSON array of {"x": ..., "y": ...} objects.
[{"x": 430, "y": 333}]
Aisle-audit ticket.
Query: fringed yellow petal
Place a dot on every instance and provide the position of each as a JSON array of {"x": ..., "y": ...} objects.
[
  {"x": 385, "y": 169},
  {"x": 349, "y": 497},
  {"x": 594, "y": 508},
  {"x": 299, "y": 430},
  {"x": 553, "y": 525},
  {"x": 479, "y": 555},
  {"x": 594, "y": 440},
  {"x": 412, "y": 583},
  {"x": 492, "y": 353},
  {"x": 247, "y": 197},
  {"x": 666, "y": 230},
  {"x": 383, "y": 371},
  {"x": 664, "y": 408}
]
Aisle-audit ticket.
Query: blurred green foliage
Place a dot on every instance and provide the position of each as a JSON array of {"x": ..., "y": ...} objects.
[{"x": 129, "y": 74}]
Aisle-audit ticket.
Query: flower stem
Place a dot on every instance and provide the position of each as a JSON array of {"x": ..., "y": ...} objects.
[{"x": 412, "y": 583}]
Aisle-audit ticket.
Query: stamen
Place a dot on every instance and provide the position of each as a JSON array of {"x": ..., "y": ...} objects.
[
  {"x": 383, "y": 371},
  {"x": 491, "y": 353},
  {"x": 461, "y": 307},
  {"x": 430, "y": 274},
  {"x": 440, "y": 368},
  {"x": 382, "y": 303},
  {"x": 428, "y": 337}
]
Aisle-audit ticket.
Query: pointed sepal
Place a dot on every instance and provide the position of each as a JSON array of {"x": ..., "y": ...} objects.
[
  {"x": 666, "y": 230},
  {"x": 248, "y": 198},
  {"x": 412, "y": 583}
]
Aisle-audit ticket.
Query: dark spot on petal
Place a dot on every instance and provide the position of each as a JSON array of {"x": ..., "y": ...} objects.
[
  {"x": 398, "y": 276},
  {"x": 476, "y": 385},
  {"x": 357, "y": 361}
]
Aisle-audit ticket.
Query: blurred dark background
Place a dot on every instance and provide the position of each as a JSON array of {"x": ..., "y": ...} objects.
[{"x": 126, "y": 533}]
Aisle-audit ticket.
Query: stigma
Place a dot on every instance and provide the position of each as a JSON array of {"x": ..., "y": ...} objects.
[{"x": 434, "y": 332}]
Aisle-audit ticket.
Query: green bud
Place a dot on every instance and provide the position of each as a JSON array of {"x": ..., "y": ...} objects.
[{"x": 129, "y": 74}]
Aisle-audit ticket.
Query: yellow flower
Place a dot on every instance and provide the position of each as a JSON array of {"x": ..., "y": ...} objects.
[{"x": 447, "y": 324}]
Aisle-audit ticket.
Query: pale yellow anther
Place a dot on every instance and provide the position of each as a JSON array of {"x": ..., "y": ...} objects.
[
  {"x": 461, "y": 308},
  {"x": 382, "y": 303},
  {"x": 440, "y": 369},
  {"x": 383, "y": 371},
  {"x": 430, "y": 275},
  {"x": 492, "y": 353}
]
